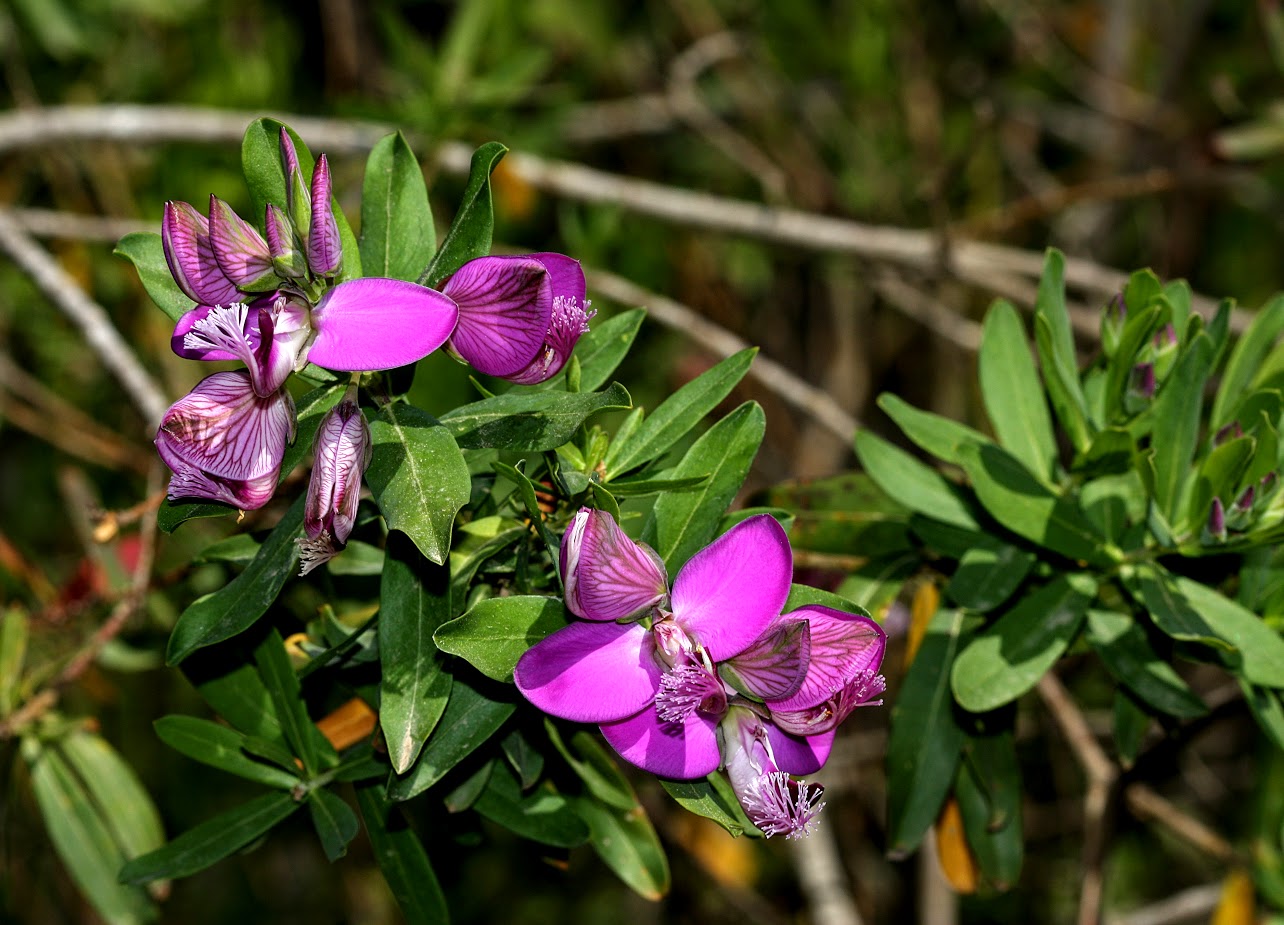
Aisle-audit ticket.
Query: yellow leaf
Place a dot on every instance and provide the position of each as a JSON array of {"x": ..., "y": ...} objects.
[
  {"x": 731, "y": 861},
  {"x": 1236, "y": 907},
  {"x": 922, "y": 608},
  {"x": 955, "y": 857},
  {"x": 349, "y": 724}
]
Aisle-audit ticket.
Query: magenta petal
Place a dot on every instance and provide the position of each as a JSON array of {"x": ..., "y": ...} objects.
[
  {"x": 505, "y": 305},
  {"x": 376, "y": 323},
  {"x": 681, "y": 751},
  {"x": 842, "y": 644},
  {"x": 248, "y": 495},
  {"x": 732, "y": 590},
  {"x": 607, "y": 575},
  {"x": 197, "y": 314},
  {"x": 565, "y": 275},
  {"x": 591, "y": 672},
  {"x": 775, "y": 666},
  {"x": 798, "y": 754},
  {"x": 185, "y": 238}
]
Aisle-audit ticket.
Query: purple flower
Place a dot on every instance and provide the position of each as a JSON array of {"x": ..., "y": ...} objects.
[
  {"x": 519, "y": 317},
  {"x": 185, "y": 236},
  {"x": 651, "y": 683},
  {"x": 224, "y": 442},
  {"x": 760, "y": 760},
  {"x": 239, "y": 250},
  {"x": 341, "y": 457}
]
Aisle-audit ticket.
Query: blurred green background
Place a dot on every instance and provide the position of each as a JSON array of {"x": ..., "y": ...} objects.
[{"x": 1129, "y": 133}]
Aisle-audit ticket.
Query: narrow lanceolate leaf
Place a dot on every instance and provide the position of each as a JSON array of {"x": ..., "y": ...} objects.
[
  {"x": 402, "y": 859},
  {"x": 496, "y": 632},
  {"x": 911, "y": 483},
  {"x": 1170, "y": 610},
  {"x": 680, "y": 524},
  {"x": 1027, "y": 507},
  {"x": 1011, "y": 391},
  {"x": 1122, "y": 644},
  {"x": 1138, "y": 329},
  {"x": 335, "y": 822},
  {"x": 544, "y": 816},
  {"x": 226, "y": 678},
  {"x": 1009, "y": 657},
  {"x": 14, "y": 630},
  {"x": 1259, "y": 649},
  {"x": 144, "y": 250},
  {"x": 1176, "y": 415},
  {"x": 125, "y": 804},
  {"x": 529, "y": 421},
  {"x": 604, "y": 346},
  {"x": 594, "y": 765},
  {"x": 989, "y": 793},
  {"x": 627, "y": 842},
  {"x": 1246, "y": 359},
  {"x": 938, "y": 435},
  {"x": 220, "y": 747},
  {"x": 236, "y": 606},
  {"x": 711, "y": 798},
  {"x": 926, "y": 739},
  {"x": 678, "y": 414},
  {"x": 988, "y": 574},
  {"x": 470, "y": 719},
  {"x": 418, "y": 476},
  {"x": 1061, "y": 379},
  {"x": 287, "y": 697},
  {"x": 82, "y": 836},
  {"x": 211, "y": 841},
  {"x": 414, "y": 600},
  {"x": 397, "y": 233},
  {"x": 470, "y": 233}
]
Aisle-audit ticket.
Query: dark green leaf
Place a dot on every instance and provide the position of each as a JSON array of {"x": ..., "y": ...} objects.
[
  {"x": 1111, "y": 452},
  {"x": 418, "y": 476},
  {"x": 287, "y": 697},
  {"x": 1267, "y": 710},
  {"x": 220, "y": 747},
  {"x": 627, "y": 842},
  {"x": 226, "y": 678},
  {"x": 470, "y": 719},
  {"x": 470, "y": 233},
  {"x": 1176, "y": 415},
  {"x": 211, "y": 841},
  {"x": 594, "y": 765},
  {"x": 414, "y": 600},
  {"x": 235, "y": 607},
  {"x": 146, "y": 252},
  {"x": 1009, "y": 657},
  {"x": 397, "y": 233},
  {"x": 989, "y": 793},
  {"x": 988, "y": 574},
  {"x": 530, "y": 421},
  {"x": 335, "y": 822},
  {"x": 1131, "y": 723},
  {"x": 1055, "y": 341},
  {"x": 711, "y": 798},
  {"x": 1138, "y": 329},
  {"x": 1010, "y": 387},
  {"x": 1127, "y": 653},
  {"x": 1258, "y": 649},
  {"x": 171, "y": 514},
  {"x": 641, "y": 487},
  {"x": 544, "y": 816},
  {"x": 911, "y": 483},
  {"x": 926, "y": 739},
  {"x": 496, "y": 632},
  {"x": 524, "y": 758},
  {"x": 402, "y": 859},
  {"x": 604, "y": 346}
]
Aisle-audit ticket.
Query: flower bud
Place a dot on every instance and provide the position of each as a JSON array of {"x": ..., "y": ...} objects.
[
  {"x": 341, "y": 457},
  {"x": 325, "y": 250},
  {"x": 240, "y": 250},
  {"x": 606, "y": 574},
  {"x": 298, "y": 202},
  {"x": 185, "y": 237},
  {"x": 288, "y": 258}
]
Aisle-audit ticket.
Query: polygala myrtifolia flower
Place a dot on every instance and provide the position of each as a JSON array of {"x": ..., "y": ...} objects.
[
  {"x": 519, "y": 317},
  {"x": 683, "y": 682},
  {"x": 341, "y": 456}
]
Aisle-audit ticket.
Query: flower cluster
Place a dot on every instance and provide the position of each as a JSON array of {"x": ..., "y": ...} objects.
[
  {"x": 711, "y": 673},
  {"x": 274, "y": 302}
]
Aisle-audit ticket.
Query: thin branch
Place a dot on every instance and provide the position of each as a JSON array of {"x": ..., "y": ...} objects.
[
  {"x": 1191, "y": 905},
  {"x": 1149, "y": 805},
  {"x": 823, "y": 880},
  {"x": 94, "y": 322}
]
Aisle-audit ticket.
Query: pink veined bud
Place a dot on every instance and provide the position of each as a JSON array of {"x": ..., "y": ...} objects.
[
  {"x": 774, "y": 801},
  {"x": 325, "y": 250},
  {"x": 287, "y": 254},
  {"x": 298, "y": 202},
  {"x": 185, "y": 237},
  {"x": 606, "y": 574},
  {"x": 1143, "y": 380},
  {"x": 342, "y": 454},
  {"x": 239, "y": 249},
  {"x": 1217, "y": 520}
]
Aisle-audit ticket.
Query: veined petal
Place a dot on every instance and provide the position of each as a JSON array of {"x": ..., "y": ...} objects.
[
  {"x": 334, "y": 488},
  {"x": 732, "y": 590},
  {"x": 375, "y": 323},
  {"x": 775, "y": 665},
  {"x": 248, "y": 495},
  {"x": 567, "y": 323},
  {"x": 505, "y": 305},
  {"x": 826, "y": 715},
  {"x": 202, "y": 351},
  {"x": 239, "y": 249},
  {"x": 842, "y": 645},
  {"x": 298, "y": 201},
  {"x": 222, "y": 428},
  {"x": 185, "y": 237},
  {"x": 681, "y": 751},
  {"x": 607, "y": 575},
  {"x": 325, "y": 250},
  {"x": 799, "y": 754},
  {"x": 591, "y": 672}
]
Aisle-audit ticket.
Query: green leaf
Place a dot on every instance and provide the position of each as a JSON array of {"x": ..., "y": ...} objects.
[
  {"x": 1009, "y": 657},
  {"x": 470, "y": 233},
  {"x": 397, "y": 233},
  {"x": 470, "y": 719},
  {"x": 935, "y": 434},
  {"x": 1266, "y": 709},
  {"x": 146, "y": 252},
  {"x": 802, "y": 595},
  {"x": 1126, "y": 651},
  {"x": 641, "y": 487},
  {"x": 1061, "y": 379},
  {"x": 1259, "y": 650},
  {"x": 1111, "y": 452},
  {"x": 496, "y": 632},
  {"x": 211, "y": 841},
  {"x": 287, "y": 697},
  {"x": 1218, "y": 476},
  {"x": 529, "y": 421},
  {"x": 1170, "y": 611},
  {"x": 989, "y": 794},
  {"x": 911, "y": 483},
  {"x": 14, "y": 631},
  {"x": 544, "y": 816},
  {"x": 418, "y": 477},
  {"x": 604, "y": 346},
  {"x": 170, "y": 513},
  {"x": 226, "y": 678},
  {"x": 1010, "y": 388},
  {"x": 236, "y": 606},
  {"x": 678, "y": 414},
  {"x": 220, "y": 747},
  {"x": 335, "y": 822},
  {"x": 1176, "y": 414},
  {"x": 402, "y": 859},
  {"x": 1027, "y": 507},
  {"x": 712, "y": 798},
  {"x": 626, "y": 841},
  {"x": 594, "y": 765},
  {"x": 1131, "y": 723},
  {"x": 524, "y": 758},
  {"x": 414, "y": 600},
  {"x": 1138, "y": 329},
  {"x": 926, "y": 739},
  {"x": 82, "y": 837},
  {"x": 988, "y": 574},
  {"x": 680, "y": 524}
]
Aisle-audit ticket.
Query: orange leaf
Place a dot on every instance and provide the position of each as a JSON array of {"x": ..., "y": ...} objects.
[
  {"x": 955, "y": 857},
  {"x": 1236, "y": 907},
  {"x": 349, "y": 724},
  {"x": 922, "y": 608}
]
